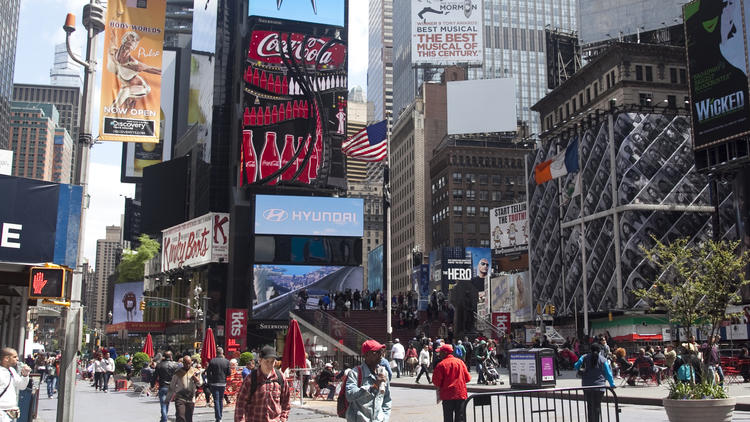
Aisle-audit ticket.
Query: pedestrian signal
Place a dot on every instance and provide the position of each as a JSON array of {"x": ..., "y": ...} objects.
[{"x": 47, "y": 282}]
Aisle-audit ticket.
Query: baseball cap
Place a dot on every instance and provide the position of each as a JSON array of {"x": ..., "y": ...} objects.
[
  {"x": 268, "y": 352},
  {"x": 446, "y": 348},
  {"x": 371, "y": 345},
  {"x": 395, "y": 340},
  {"x": 328, "y": 365}
]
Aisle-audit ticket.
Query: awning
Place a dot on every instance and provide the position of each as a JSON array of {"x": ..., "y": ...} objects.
[{"x": 639, "y": 337}]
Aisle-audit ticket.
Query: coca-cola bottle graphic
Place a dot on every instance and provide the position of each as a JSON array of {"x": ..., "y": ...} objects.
[
  {"x": 270, "y": 161},
  {"x": 285, "y": 86},
  {"x": 289, "y": 110},
  {"x": 246, "y": 117},
  {"x": 287, "y": 155},
  {"x": 304, "y": 176},
  {"x": 267, "y": 114},
  {"x": 259, "y": 117},
  {"x": 277, "y": 87},
  {"x": 282, "y": 113},
  {"x": 317, "y": 155},
  {"x": 252, "y": 117},
  {"x": 263, "y": 80},
  {"x": 275, "y": 115},
  {"x": 250, "y": 161},
  {"x": 256, "y": 77}
]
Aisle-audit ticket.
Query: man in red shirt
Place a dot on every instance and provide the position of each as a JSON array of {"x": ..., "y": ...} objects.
[
  {"x": 450, "y": 377},
  {"x": 264, "y": 395}
]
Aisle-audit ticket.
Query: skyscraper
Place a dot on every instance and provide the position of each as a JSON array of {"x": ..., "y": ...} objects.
[
  {"x": 65, "y": 72},
  {"x": 8, "y": 32},
  {"x": 380, "y": 58},
  {"x": 107, "y": 255},
  {"x": 32, "y": 136}
]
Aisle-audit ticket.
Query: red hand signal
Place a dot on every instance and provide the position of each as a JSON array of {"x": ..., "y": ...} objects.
[{"x": 39, "y": 283}]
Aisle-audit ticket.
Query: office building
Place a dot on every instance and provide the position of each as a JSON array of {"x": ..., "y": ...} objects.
[
  {"x": 178, "y": 23},
  {"x": 32, "y": 139},
  {"x": 65, "y": 71},
  {"x": 611, "y": 20},
  {"x": 380, "y": 58},
  {"x": 66, "y": 100},
  {"x": 108, "y": 252},
  {"x": 62, "y": 156},
  {"x": 9, "y": 10},
  {"x": 651, "y": 190}
]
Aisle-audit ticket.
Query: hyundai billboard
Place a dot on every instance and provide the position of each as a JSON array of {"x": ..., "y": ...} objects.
[{"x": 309, "y": 215}]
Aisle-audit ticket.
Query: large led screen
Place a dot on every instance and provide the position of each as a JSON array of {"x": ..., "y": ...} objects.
[
  {"x": 126, "y": 302},
  {"x": 327, "y": 12},
  {"x": 486, "y": 105},
  {"x": 309, "y": 215},
  {"x": 278, "y": 288}
]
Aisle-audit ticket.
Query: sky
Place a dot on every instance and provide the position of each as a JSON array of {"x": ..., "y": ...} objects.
[{"x": 40, "y": 28}]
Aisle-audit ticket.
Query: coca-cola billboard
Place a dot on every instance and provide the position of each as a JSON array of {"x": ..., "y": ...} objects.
[
  {"x": 294, "y": 104},
  {"x": 236, "y": 330},
  {"x": 196, "y": 242}
]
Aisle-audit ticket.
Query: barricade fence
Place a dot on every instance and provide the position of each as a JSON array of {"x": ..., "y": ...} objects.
[{"x": 577, "y": 404}]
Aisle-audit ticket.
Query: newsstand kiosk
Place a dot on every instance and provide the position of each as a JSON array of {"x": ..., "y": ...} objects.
[{"x": 532, "y": 368}]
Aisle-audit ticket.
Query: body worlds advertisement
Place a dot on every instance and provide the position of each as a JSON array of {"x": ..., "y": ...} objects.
[
  {"x": 196, "y": 242},
  {"x": 309, "y": 215},
  {"x": 718, "y": 70},
  {"x": 509, "y": 228},
  {"x": 447, "y": 32},
  {"x": 131, "y": 79},
  {"x": 511, "y": 293},
  {"x": 126, "y": 302}
]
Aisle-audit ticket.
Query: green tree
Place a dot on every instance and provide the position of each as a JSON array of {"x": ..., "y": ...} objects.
[
  {"x": 698, "y": 283},
  {"x": 140, "y": 360},
  {"x": 246, "y": 357},
  {"x": 133, "y": 261}
]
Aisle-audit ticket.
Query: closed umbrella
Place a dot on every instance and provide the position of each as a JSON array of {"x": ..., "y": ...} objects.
[
  {"x": 208, "y": 351},
  {"x": 294, "y": 348},
  {"x": 148, "y": 346}
]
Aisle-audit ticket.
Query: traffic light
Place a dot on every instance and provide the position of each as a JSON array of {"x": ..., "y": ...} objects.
[
  {"x": 143, "y": 305},
  {"x": 197, "y": 345},
  {"x": 47, "y": 282},
  {"x": 551, "y": 309}
]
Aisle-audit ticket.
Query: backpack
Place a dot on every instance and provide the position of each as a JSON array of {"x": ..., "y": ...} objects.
[
  {"x": 342, "y": 404},
  {"x": 685, "y": 372},
  {"x": 459, "y": 352},
  {"x": 254, "y": 380}
]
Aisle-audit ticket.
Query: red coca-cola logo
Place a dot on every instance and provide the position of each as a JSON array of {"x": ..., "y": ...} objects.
[
  {"x": 264, "y": 47},
  {"x": 273, "y": 163}
]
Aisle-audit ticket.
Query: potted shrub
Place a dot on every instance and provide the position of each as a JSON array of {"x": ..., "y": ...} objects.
[
  {"x": 246, "y": 357},
  {"x": 698, "y": 283}
]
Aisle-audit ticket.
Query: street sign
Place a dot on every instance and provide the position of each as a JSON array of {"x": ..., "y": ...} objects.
[{"x": 157, "y": 304}]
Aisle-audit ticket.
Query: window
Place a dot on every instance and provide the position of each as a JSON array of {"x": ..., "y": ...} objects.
[
  {"x": 484, "y": 195},
  {"x": 638, "y": 72},
  {"x": 457, "y": 177},
  {"x": 483, "y": 179},
  {"x": 484, "y": 211},
  {"x": 646, "y": 99},
  {"x": 649, "y": 74},
  {"x": 596, "y": 89},
  {"x": 471, "y": 178},
  {"x": 458, "y": 193},
  {"x": 588, "y": 95},
  {"x": 497, "y": 196},
  {"x": 672, "y": 75},
  {"x": 458, "y": 227},
  {"x": 471, "y": 195},
  {"x": 458, "y": 210},
  {"x": 683, "y": 76},
  {"x": 671, "y": 101},
  {"x": 471, "y": 227},
  {"x": 484, "y": 243},
  {"x": 496, "y": 180},
  {"x": 471, "y": 211}
]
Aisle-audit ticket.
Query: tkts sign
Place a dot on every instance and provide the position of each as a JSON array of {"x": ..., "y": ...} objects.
[
  {"x": 264, "y": 48},
  {"x": 236, "y": 329},
  {"x": 501, "y": 320}
]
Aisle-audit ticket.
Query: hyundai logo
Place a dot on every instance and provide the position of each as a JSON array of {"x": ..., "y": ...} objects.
[{"x": 275, "y": 215}]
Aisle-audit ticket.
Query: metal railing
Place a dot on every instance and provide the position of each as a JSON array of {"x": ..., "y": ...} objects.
[
  {"x": 559, "y": 404},
  {"x": 334, "y": 328}
]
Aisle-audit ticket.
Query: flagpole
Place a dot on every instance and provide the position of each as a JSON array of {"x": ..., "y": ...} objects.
[{"x": 386, "y": 234}]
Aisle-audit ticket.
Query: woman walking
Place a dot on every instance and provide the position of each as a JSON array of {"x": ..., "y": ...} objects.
[
  {"x": 596, "y": 372},
  {"x": 424, "y": 363}
]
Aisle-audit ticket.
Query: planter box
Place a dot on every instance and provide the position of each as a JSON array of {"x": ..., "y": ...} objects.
[{"x": 715, "y": 410}]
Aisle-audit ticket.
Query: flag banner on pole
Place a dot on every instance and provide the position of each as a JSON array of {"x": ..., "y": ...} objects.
[
  {"x": 369, "y": 144},
  {"x": 563, "y": 163}
]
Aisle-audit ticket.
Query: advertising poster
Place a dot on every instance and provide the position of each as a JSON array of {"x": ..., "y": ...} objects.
[
  {"x": 421, "y": 284},
  {"x": 278, "y": 288},
  {"x": 294, "y": 106},
  {"x": 126, "y": 302},
  {"x": 6, "y": 162},
  {"x": 309, "y": 215},
  {"x": 196, "y": 242},
  {"x": 509, "y": 228},
  {"x": 481, "y": 266},
  {"x": 548, "y": 368},
  {"x": 236, "y": 330},
  {"x": 717, "y": 71},
  {"x": 512, "y": 293},
  {"x": 201, "y": 100},
  {"x": 522, "y": 368},
  {"x": 137, "y": 156},
  {"x": 375, "y": 269},
  {"x": 204, "y": 25},
  {"x": 131, "y": 78},
  {"x": 447, "y": 32}
]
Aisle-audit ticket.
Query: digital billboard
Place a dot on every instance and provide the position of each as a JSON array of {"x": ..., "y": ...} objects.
[
  {"x": 277, "y": 287},
  {"x": 375, "y": 269},
  {"x": 512, "y": 293},
  {"x": 483, "y": 105},
  {"x": 201, "y": 100},
  {"x": 453, "y": 264},
  {"x": 204, "y": 25},
  {"x": 137, "y": 156},
  {"x": 126, "y": 302},
  {"x": 294, "y": 104},
  {"x": 509, "y": 228},
  {"x": 131, "y": 79},
  {"x": 447, "y": 32},
  {"x": 309, "y": 215},
  {"x": 717, "y": 71},
  {"x": 327, "y": 12}
]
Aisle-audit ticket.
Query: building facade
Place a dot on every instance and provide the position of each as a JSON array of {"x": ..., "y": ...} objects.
[
  {"x": 637, "y": 181},
  {"x": 380, "y": 58},
  {"x": 613, "y": 19},
  {"x": 65, "y": 72},
  {"x": 66, "y": 100},
  {"x": 32, "y": 139},
  {"x": 108, "y": 252},
  {"x": 63, "y": 156},
  {"x": 8, "y": 33}
]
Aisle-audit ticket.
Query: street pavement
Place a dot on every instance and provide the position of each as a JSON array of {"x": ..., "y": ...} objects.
[{"x": 411, "y": 402}]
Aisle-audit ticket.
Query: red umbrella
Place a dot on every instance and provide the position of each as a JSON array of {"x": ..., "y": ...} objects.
[
  {"x": 294, "y": 348},
  {"x": 148, "y": 346},
  {"x": 208, "y": 351}
]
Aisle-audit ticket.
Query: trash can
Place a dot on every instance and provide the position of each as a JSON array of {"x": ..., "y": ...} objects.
[{"x": 532, "y": 368}]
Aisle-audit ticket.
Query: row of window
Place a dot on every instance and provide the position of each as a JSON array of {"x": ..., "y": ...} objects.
[
  {"x": 459, "y": 242},
  {"x": 492, "y": 162}
]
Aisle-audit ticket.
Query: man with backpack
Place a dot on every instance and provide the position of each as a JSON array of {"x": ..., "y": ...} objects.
[
  {"x": 367, "y": 396},
  {"x": 264, "y": 395},
  {"x": 460, "y": 351},
  {"x": 217, "y": 373}
]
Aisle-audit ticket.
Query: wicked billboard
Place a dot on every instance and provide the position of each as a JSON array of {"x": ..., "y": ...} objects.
[{"x": 294, "y": 102}]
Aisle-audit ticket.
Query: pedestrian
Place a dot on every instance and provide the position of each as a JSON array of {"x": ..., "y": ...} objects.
[
  {"x": 325, "y": 377},
  {"x": 109, "y": 370},
  {"x": 596, "y": 373},
  {"x": 99, "y": 370},
  {"x": 10, "y": 383},
  {"x": 182, "y": 387},
  {"x": 424, "y": 363},
  {"x": 217, "y": 373},
  {"x": 53, "y": 369},
  {"x": 164, "y": 372},
  {"x": 481, "y": 353},
  {"x": 367, "y": 388},
  {"x": 306, "y": 376},
  {"x": 450, "y": 378},
  {"x": 397, "y": 354},
  {"x": 248, "y": 368},
  {"x": 264, "y": 395}
]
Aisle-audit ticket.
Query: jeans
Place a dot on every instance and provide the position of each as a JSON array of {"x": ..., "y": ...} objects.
[
  {"x": 593, "y": 404},
  {"x": 480, "y": 371},
  {"x": 399, "y": 367},
  {"x": 51, "y": 381},
  {"x": 105, "y": 385},
  {"x": 423, "y": 370},
  {"x": 217, "y": 392},
  {"x": 98, "y": 377},
  {"x": 163, "y": 403},
  {"x": 183, "y": 411},
  {"x": 452, "y": 411},
  {"x": 712, "y": 370}
]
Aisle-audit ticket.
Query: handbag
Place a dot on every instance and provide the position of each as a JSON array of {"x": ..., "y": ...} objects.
[{"x": 394, "y": 365}]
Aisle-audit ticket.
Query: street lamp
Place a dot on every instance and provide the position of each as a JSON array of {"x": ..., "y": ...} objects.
[{"x": 202, "y": 305}]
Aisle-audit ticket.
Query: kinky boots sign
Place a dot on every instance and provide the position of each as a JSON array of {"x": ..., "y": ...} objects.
[{"x": 196, "y": 242}]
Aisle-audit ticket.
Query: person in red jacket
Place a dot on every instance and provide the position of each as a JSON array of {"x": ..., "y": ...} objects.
[{"x": 450, "y": 377}]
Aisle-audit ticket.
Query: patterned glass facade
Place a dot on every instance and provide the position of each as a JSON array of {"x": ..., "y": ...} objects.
[{"x": 9, "y": 10}]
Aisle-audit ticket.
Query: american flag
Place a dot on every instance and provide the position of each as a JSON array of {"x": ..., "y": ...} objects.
[{"x": 369, "y": 144}]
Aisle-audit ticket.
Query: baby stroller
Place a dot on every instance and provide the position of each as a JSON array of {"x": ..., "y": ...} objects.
[{"x": 491, "y": 376}]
